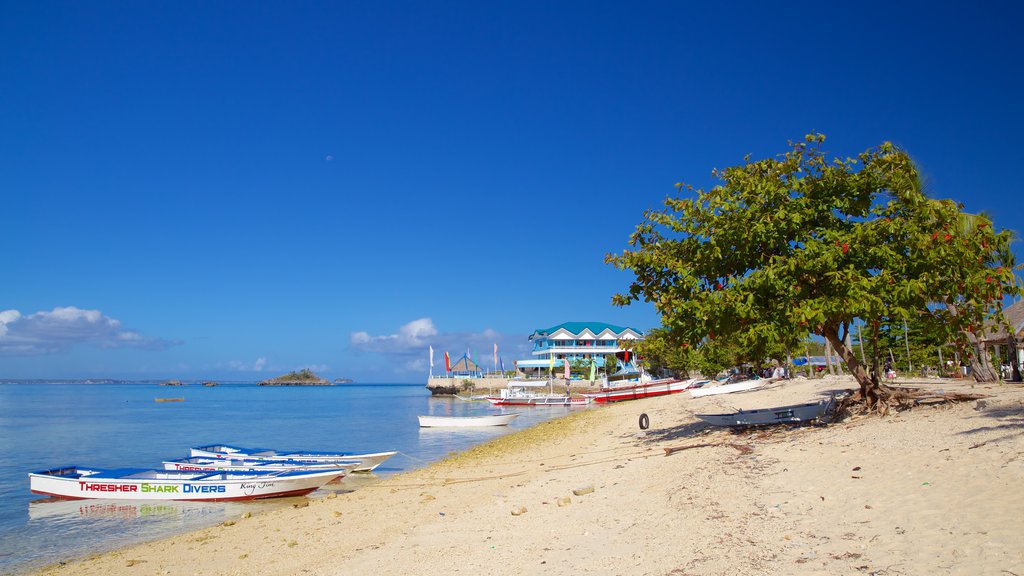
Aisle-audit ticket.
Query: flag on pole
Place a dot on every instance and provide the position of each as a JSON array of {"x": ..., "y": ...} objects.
[
  {"x": 447, "y": 362},
  {"x": 495, "y": 354},
  {"x": 593, "y": 368},
  {"x": 431, "y": 356},
  {"x": 551, "y": 363},
  {"x": 501, "y": 361},
  {"x": 566, "y": 368}
]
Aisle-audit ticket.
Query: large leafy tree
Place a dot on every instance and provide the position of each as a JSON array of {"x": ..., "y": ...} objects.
[{"x": 804, "y": 244}]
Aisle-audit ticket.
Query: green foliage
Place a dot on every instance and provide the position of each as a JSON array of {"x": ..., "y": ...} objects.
[{"x": 803, "y": 244}]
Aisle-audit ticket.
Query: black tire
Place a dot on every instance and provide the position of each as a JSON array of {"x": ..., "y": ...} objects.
[{"x": 645, "y": 422}]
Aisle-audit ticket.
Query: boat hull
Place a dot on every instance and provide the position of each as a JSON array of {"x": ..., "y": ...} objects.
[
  {"x": 466, "y": 421},
  {"x": 241, "y": 465},
  {"x": 367, "y": 462},
  {"x": 728, "y": 388},
  {"x": 540, "y": 400},
  {"x": 794, "y": 414},
  {"x": 76, "y": 483},
  {"x": 646, "y": 390}
]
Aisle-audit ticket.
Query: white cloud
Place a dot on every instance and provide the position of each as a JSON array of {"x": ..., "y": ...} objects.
[
  {"x": 415, "y": 335},
  {"x": 62, "y": 328},
  {"x": 408, "y": 348}
]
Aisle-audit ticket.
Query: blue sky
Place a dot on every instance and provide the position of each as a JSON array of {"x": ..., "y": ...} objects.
[{"x": 232, "y": 190}]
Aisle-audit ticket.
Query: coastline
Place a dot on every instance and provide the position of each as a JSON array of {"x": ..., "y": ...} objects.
[{"x": 931, "y": 490}]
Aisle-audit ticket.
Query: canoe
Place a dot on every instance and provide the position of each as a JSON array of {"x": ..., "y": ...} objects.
[
  {"x": 343, "y": 467},
  {"x": 367, "y": 462},
  {"x": 466, "y": 421},
  {"x": 78, "y": 482},
  {"x": 646, "y": 390},
  {"x": 728, "y": 388},
  {"x": 780, "y": 415}
]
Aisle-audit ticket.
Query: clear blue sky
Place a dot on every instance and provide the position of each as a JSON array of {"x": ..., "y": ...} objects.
[{"x": 232, "y": 190}]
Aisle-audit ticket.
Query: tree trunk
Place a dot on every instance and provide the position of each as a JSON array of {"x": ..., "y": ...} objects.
[
  {"x": 828, "y": 359},
  {"x": 870, "y": 390},
  {"x": 981, "y": 366}
]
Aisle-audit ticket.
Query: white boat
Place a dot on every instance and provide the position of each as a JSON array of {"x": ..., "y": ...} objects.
[
  {"x": 343, "y": 467},
  {"x": 466, "y": 421},
  {"x": 763, "y": 416},
  {"x": 78, "y": 482},
  {"x": 367, "y": 462},
  {"x": 728, "y": 388},
  {"x": 525, "y": 393},
  {"x": 644, "y": 390}
]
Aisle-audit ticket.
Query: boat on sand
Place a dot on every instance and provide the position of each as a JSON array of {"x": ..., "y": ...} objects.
[
  {"x": 79, "y": 482},
  {"x": 644, "y": 390},
  {"x": 343, "y": 467},
  {"x": 741, "y": 386},
  {"x": 367, "y": 462},
  {"x": 525, "y": 393},
  {"x": 466, "y": 421},
  {"x": 793, "y": 414}
]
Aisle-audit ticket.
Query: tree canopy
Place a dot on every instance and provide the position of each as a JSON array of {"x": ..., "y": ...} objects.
[{"x": 803, "y": 244}]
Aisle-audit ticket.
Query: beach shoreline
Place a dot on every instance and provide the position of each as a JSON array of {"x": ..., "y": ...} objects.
[{"x": 930, "y": 490}]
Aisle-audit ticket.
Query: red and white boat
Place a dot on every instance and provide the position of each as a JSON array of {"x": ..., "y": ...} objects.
[
  {"x": 523, "y": 393},
  {"x": 639, "y": 390},
  {"x": 78, "y": 482}
]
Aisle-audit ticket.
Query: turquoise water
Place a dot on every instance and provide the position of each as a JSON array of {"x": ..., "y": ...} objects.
[{"x": 121, "y": 425}]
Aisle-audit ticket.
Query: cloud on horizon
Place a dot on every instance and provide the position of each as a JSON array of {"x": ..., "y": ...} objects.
[
  {"x": 63, "y": 328},
  {"x": 409, "y": 346}
]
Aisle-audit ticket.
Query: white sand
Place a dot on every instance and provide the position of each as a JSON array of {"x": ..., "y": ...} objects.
[{"x": 929, "y": 491}]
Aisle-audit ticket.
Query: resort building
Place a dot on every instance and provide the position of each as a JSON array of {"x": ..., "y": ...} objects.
[{"x": 589, "y": 342}]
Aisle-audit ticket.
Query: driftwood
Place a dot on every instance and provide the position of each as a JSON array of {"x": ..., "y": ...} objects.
[
  {"x": 743, "y": 448},
  {"x": 898, "y": 398}
]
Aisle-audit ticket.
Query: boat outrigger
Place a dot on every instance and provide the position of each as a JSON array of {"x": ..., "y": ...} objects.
[{"x": 367, "y": 462}]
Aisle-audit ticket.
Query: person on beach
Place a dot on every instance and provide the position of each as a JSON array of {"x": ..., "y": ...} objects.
[{"x": 890, "y": 374}]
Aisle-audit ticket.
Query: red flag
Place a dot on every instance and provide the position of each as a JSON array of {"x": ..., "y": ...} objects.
[{"x": 447, "y": 363}]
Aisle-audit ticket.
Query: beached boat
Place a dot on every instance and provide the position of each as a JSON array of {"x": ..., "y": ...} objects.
[
  {"x": 343, "y": 467},
  {"x": 466, "y": 421},
  {"x": 526, "y": 393},
  {"x": 78, "y": 482},
  {"x": 644, "y": 390},
  {"x": 728, "y": 388},
  {"x": 763, "y": 416},
  {"x": 367, "y": 462}
]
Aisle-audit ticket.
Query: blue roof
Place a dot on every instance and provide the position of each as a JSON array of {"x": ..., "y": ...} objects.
[{"x": 578, "y": 327}]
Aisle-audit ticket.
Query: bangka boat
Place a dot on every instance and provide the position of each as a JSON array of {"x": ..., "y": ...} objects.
[
  {"x": 79, "y": 482},
  {"x": 728, "y": 388},
  {"x": 466, "y": 421},
  {"x": 781, "y": 415},
  {"x": 367, "y": 462},
  {"x": 523, "y": 393},
  {"x": 644, "y": 390},
  {"x": 343, "y": 467}
]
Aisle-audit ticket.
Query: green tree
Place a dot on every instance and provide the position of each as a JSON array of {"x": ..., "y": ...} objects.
[{"x": 801, "y": 244}]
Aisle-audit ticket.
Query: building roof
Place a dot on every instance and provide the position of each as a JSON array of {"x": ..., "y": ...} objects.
[
  {"x": 580, "y": 327},
  {"x": 464, "y": 364},
  {"x": 1014, "y": 315}
]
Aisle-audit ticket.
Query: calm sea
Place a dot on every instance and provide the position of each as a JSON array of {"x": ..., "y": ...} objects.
[{"x": 121, "y": 425}]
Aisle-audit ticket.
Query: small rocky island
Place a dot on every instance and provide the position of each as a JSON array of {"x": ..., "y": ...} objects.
[{"x": 304, "y": 377}]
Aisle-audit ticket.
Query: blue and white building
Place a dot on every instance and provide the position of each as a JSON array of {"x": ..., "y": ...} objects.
[{"x": 583, "y": 341}]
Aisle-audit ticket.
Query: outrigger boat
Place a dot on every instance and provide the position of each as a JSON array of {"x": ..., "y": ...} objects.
[
  {"x": 521, "y": 393},
  {"x": 644, "y": 390},
  {"x": 367, "y": 462},
  {"x": 741, "y": 386},
  {"x": 79, "y": 482},
  {"x": 343, "y": 467},
  {"x": 781, "y": 415},
  {"x": 466, "y": 421}
]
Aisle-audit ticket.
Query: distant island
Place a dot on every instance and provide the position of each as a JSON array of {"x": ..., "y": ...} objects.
[
  {"x": 304, "y": 377},
  {"x": 343, "y": 380}
]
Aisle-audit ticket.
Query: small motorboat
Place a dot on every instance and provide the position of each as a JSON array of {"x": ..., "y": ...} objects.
[
  {"x": 466, "y": 421},
  {"x": 79, "y": 482},
  {"x": 763, "y": 416},
  {"x": 367, "y": 462}
]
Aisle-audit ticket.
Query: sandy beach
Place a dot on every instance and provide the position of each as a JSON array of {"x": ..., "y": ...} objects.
[{"x": 933, "y": 490}]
